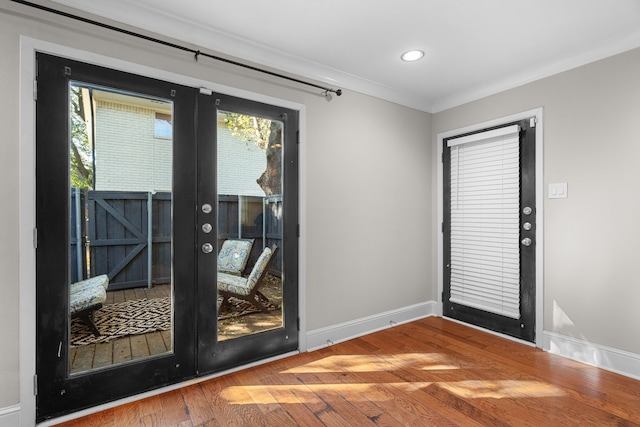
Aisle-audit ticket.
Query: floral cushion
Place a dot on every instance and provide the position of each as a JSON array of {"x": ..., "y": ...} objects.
[
  {"x": 233, "y": 284},
  {"x": 234, "y": 255},
  {"x": 240, "y": 285},
  {"x": 87, "y": 293}
]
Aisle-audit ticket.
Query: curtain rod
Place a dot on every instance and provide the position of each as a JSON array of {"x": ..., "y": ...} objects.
[{"x": 196, "y": 53}]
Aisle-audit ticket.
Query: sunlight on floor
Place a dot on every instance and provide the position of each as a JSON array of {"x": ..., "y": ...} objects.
[
  {"x": 360, "y": 392},
  {"x": 485, "y": 389},
  {"x": 382, "y": 362},
  {"x": 381, "y": 391},
  {"x": 313, "y": 393}
]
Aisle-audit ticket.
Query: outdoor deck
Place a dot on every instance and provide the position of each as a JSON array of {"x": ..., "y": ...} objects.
[
  {"x": 132, "y": 347},
  {"x": 126, "y": 348}
]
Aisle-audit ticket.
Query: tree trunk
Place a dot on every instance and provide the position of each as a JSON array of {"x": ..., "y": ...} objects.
[{"x": 271, "y": 179}]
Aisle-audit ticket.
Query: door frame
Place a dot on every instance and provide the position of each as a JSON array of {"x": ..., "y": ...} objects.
[
  {"x": 538, "y": 114},
  {"x": 27, "y": 267}
]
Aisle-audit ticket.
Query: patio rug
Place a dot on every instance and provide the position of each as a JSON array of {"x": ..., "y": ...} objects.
[
  {"x": 125, "y": 318},
  {"x": 142, "y": 317}
]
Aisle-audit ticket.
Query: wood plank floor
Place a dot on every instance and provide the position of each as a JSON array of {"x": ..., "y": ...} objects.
[{"x": 432, "y": 372}]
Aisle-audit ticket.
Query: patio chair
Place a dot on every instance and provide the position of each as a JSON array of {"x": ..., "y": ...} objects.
[
  {"x": 248, "y": 289},
  {"x": 85, "y": 297},
  {"x": 234, "y": 255}
]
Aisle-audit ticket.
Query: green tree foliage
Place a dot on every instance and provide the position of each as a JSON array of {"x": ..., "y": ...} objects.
[
  {"x": 249, "y": 128},
  {"x": 81, "y": 154}
]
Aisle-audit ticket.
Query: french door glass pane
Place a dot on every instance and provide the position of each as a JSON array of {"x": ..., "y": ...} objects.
[
  {"x": 120, "y": 227},
  {"x": 249, "y": 187}
]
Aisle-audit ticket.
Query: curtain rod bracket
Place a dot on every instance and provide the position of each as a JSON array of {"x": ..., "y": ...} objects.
[
  {"x": 196, "y": 55},
  {"x": 327, "y": 92}
]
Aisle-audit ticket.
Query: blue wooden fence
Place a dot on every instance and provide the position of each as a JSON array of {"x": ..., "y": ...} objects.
[{"x": 127, "y": 235}]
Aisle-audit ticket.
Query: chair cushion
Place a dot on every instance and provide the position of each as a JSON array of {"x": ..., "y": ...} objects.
[
  {"x": 259, "y": 267},
  {"x": 233, "y": 284},
  {"x": 87, "y": 293},
  {"x": 102, "y": 280},
  {"x": 234, "y": 255}
]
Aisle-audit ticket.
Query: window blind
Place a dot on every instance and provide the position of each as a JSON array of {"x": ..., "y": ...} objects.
[{"x": 485, "y": 223}]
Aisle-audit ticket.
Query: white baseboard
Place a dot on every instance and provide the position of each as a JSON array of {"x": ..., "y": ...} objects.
[
  {"x": 611, "y": 359},
  {"x": 323, "y": 337},
  {"x": 10, "y": 416}
]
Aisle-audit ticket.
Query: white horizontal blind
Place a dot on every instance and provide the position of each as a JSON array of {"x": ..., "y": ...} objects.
[{"x": 485, "y": 205}]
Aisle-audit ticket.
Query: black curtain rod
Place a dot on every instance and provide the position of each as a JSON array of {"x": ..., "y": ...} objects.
[{"x": 196, "y": 53}]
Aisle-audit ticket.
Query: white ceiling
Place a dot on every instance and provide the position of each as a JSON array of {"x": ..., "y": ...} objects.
[{"x": 473, "y": 48}]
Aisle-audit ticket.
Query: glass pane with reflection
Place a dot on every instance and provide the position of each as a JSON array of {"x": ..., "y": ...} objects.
[
  {"x": 120, "y": 227},
  {"x": 249, "y": 176}
]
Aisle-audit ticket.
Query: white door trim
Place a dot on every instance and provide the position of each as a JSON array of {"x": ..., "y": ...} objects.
[
  {"x": 27, "y": 267},
  {"x": 537, "y": 113}
]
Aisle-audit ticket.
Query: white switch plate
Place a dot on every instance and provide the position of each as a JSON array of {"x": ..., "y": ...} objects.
[{"x": 558, "y": 190}]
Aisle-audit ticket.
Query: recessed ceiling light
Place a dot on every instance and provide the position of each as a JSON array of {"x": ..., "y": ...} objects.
[{"x": 412, "y": 55}]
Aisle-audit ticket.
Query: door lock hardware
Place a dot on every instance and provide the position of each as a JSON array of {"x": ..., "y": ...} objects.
[
  {"x": 206, "y": 227},
  {"x": 526, "y": 241},
  {"x": 207, "y": 208},
  {"x": 207, "y": 248},
  {"x": 527, "y": 226}
]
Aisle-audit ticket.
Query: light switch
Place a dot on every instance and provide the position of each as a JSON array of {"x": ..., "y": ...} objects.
[{"x": 558, "y": 190}]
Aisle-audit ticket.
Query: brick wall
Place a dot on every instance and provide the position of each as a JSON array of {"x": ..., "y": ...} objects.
[
  {"x": 240, "y": 164},
  {"x": 130, "y": 158}
]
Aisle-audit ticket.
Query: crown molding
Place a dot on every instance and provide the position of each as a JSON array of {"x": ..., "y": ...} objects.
[
  {"x": 605, "y": 50},
  {"x": 201, "y": 36}
]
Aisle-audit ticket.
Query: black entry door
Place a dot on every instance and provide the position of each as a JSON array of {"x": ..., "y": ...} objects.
[
  {"x": 126, "y": 283},
  {"x": 490, "y": 229}
]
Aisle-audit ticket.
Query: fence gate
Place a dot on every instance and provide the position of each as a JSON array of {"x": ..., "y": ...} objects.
[{"x": 126, "y": 234}]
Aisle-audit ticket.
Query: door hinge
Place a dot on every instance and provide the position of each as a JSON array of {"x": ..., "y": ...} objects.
[
  {"x": 298, "y": 230},
  {"x": 442, "y": 227},
  {"x": 35, "y": 237},
  {"x": 298, "y": 324},
  {"x": 35, "y": 385},
  {"x": 35, "y": 90},
  {"x": 442, "y": 157}
]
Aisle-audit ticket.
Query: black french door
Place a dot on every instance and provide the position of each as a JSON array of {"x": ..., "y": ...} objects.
[
  {"x": 490, "y": 229},
  {"x": 124, "y": 166},
  {"x": 274, "y": 216}
]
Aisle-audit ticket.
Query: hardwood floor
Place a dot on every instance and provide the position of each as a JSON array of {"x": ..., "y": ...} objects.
[{"x": 429, "y": 372}]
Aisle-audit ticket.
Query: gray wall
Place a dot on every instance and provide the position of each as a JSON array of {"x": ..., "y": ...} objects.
[
  {"x": 591, "y": 141},
  {"x": 368, "y": 183}
]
